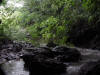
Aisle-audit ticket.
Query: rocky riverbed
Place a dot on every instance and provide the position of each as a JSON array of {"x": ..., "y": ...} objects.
[{"x": 20, "y": 58}]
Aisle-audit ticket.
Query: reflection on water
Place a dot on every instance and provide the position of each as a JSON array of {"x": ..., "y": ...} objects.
[{"x": 14, "y": 67}]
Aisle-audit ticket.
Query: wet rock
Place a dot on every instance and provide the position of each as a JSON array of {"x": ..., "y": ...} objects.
[
  {"x": 51, "y": 44},
  {"x": 25, "y": 45},
  {"x": 43, "y": 65},
  {"x": 1, "y": 72},
  {"x": 17, "y": 47},
  {"x": 10, "y": 50},
  {"x": 65, "y": 54},
  {"x": 44, "y": 51},
  {"x": 5, "y": 41},
  {"x": 90, "y": 68}
]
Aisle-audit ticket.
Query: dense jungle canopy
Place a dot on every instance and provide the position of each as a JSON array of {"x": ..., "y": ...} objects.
[{"x": 65, "y": 22}]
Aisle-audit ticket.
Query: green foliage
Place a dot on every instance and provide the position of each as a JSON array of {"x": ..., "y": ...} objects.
[
  {"x": 49, "y": 30},
  {"x": 58, "y": 17},
  {"x": 52, "y": 31},
  {"x": 10, "y": 26},
  {"x": 47, "y": 20}
]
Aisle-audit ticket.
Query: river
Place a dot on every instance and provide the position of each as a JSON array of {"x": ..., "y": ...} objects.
[{"x": 16, "y": 67}]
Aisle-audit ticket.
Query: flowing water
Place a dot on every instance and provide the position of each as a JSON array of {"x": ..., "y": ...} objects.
[
  {"x": 87, "y": 56},
  {"x": 16, "y": 67}
]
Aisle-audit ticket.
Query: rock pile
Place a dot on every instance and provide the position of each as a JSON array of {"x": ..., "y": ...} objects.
[{"x": 46, "y": 60}]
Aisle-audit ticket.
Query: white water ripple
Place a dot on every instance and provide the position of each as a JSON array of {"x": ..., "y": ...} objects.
[{"x": 15, "y": 67}]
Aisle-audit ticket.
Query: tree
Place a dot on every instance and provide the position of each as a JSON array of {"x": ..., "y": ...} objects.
[{"x": 46, "y": 20}]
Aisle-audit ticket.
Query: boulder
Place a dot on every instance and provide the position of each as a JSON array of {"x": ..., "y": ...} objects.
[
  {"x": 44, "y": 51},
  {"x": 90, "y": 68},
  {"x": 42, "y": 65},
  {"x": 65, "y": 54}
]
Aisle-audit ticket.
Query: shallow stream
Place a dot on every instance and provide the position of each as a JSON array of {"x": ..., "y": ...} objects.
[{"x": 16, "y": 67}]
